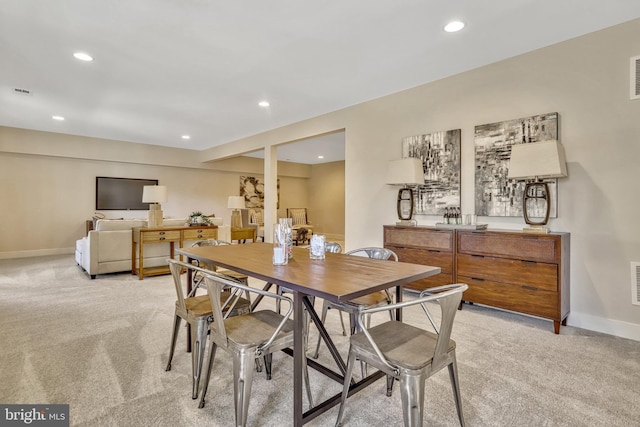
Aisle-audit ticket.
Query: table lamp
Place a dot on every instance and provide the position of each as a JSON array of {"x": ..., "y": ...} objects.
[
  {"x": 405, "y": 172},
  {"x": 236, "y": 203},
  {"x": 532, "y": 162},
  {"x": 154, "y": 194}
]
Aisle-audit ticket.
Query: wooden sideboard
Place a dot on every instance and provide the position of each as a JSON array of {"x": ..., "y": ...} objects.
[
  {"x": 427, "y": 246},
  {"x": 521, "y": 272},
  {"x": 172, "y": 235}
]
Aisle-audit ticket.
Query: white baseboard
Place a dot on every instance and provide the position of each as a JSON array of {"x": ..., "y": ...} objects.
[
  {"x": 607, "y": 326},
  {"x": 36, "y": 252}
]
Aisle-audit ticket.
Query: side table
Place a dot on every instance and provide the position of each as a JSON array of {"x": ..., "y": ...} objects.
[{"x": 242, "y": 234}]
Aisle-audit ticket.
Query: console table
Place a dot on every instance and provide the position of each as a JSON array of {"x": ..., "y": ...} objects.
[
  {"x": 141, "y": 236},
  {"x": 516, "y": 271}
]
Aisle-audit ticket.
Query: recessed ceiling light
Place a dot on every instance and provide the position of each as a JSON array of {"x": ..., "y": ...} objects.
[
  {"x": 454, "y": 26},
  {"x": 59, "y": 118},
  {"x": 263, "y": 104},
  {"x": 186, "y": 137},
  {"x": 83, "y": 56},
  {"x": 321, "y": 157}
]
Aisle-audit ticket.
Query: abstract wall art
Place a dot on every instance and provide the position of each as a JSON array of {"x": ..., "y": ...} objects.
[
  {"x": 252, "y": 189},
  {"x": 495, "y": 194},
  {"x": 440, "y": 155}
]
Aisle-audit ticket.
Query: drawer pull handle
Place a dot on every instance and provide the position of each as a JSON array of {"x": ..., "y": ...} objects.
[
  {"x": 477, "y": 256},
  {"x": 477, "y": 279},
  {"x": 530, "y": 288},
  {"x": 526, "y": 261},
  {"x": 434, "y": 251},
  {"x": 162, "y": 238},
  {"x": 162, "y": 232}
]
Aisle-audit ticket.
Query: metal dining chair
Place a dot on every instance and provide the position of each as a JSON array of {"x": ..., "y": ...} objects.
[
  {"x": 409, "y": 353},
  {"x": 197, "y": 312},
  {"x": 371, "y": 300},
  {"x": 246, "y": 337},
  {"x": 243, "y": 278}
]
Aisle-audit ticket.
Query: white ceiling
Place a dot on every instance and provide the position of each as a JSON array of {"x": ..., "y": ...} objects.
[{"x": 165, "y": 68}]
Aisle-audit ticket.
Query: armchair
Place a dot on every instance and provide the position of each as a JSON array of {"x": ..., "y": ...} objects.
[
  {"x": 254, "y": 217},
  {"x": 300, "y": 222}
]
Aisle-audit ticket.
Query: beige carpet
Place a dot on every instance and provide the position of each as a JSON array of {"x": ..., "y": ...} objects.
[{"x": 101, "y": 346}]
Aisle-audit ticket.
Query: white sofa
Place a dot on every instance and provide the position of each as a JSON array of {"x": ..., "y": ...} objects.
[{"x": 107, "y": 248}]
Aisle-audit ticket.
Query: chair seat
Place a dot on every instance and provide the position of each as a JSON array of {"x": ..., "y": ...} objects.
[
  {"x": 365, "y": 300},
  {"x": 403, "y": 345},
  {"x": 201, "y": 305},
  {"x": 254, "y": 329},
  {"x": 231, "y": 273}
]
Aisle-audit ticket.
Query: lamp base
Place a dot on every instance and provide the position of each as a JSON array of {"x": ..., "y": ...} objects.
[
  {"x": 536, "y": 229},
  {"x": 155, "y": 218},
  {"x": 236, "y": 219}
]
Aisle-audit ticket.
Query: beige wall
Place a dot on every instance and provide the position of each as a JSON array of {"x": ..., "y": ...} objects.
[
  {"x": 47, "y": 194},
  {"x": 585, "y": 80},
  {"x": 326, "y": 199}
]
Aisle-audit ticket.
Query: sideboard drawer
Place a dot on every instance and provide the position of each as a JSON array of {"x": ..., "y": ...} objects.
[
  {"x": 200, "y": 233},
  {"x": 160, "y": 236},
  {"x": 444, "y": 260},
  {"x": 417, "y": 237},
  {"x": 512, "y": 297},
  {"x": 532, "y": 248},
  {"x": 431, "y": 282},
  {"x": 518, "y": 272}
]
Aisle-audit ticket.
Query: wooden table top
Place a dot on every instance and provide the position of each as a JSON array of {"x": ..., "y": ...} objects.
[{"x": 338, "y": 277}]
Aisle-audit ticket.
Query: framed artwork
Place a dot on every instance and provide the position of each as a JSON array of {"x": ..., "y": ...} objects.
[
  {"x": 495, "y": 194},
  {"x": 252, "y": 189},
  {"x": 440, "y": 155}
]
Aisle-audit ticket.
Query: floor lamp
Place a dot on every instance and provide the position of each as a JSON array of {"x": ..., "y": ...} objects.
[{"x": 533, "y": 162}]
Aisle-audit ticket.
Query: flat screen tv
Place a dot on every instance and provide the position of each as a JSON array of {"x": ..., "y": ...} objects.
[{"x": 123, "y": 194}]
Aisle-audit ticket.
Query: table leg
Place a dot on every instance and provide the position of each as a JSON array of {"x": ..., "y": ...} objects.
[
  {"x": 399, "y": 299},
  {"x": 189, "y": 289},
  {"x": 298, "y": 354}
]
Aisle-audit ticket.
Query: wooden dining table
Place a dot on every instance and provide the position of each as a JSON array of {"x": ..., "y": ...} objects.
[{"x": 337, "y": 278}]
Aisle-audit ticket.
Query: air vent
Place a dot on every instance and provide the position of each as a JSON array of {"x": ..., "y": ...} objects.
[
  {"x": 635, "y": 283},
  {"x": 635, "y": 78},
  {"x": 21, "y": 91}
]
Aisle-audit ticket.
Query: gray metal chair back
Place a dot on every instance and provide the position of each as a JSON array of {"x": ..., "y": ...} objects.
[
  {"x": 409, "y": 353},
  {"x": 333, "y": 247},
  {"x": 197, "y": 278},
  {"x": 371, "y": 300},
  {"x": 375, "y": 253},
  {"x": 197, "y": 312},
  {"x": 246, "y": 337}
]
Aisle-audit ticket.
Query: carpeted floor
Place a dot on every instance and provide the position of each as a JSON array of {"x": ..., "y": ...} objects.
[{"x": 101, "y": 346}]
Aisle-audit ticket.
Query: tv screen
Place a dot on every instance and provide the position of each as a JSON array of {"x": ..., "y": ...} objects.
[{"x": 121, "y": 193}]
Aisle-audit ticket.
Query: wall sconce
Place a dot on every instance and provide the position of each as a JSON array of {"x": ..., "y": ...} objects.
[
  {"x": 533, "y": 162},
  {"x": 236, "y": 203},
  {"x": 154, "y": 194},
  {"x": 407, "y": 171}
]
